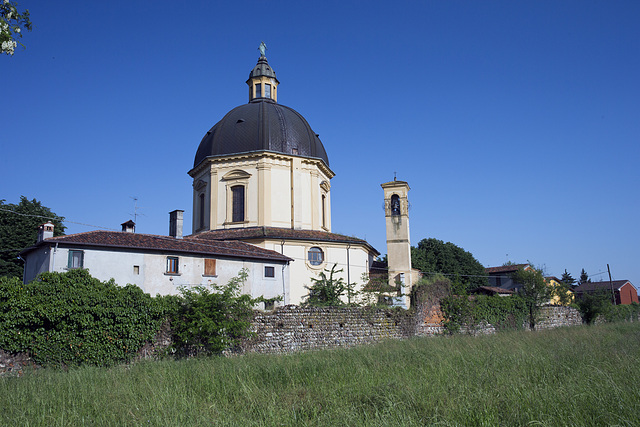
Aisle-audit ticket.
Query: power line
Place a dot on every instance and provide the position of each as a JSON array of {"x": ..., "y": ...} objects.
[
  {"x": 241, "y": 251},
  {"x": 61, "y": 219}
]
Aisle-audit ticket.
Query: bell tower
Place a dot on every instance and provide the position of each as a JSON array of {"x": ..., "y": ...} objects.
[{"x": 396, "y": 210}]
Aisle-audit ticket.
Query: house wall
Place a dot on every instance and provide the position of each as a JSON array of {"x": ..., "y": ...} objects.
[
  {"x": 627, "y": 294},
  {"x": 152, "y": 276},
  {"x": 301, "y": 270},
  {"x": 280, "y": 191},
  {"x": 38, "y": 263}
]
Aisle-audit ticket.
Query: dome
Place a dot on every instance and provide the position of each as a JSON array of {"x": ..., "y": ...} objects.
[{"x": 261, "y": 125}]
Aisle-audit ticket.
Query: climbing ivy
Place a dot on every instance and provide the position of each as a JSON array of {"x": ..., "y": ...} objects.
[{"x": 68, "y": 319}]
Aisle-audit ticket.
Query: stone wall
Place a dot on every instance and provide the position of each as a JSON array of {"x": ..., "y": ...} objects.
[
  {"x": 555, "y": 316},
  {"x": 293, "y": 328}
]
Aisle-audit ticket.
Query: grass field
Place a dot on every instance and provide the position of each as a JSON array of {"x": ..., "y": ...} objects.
[{"x": 571, "y": 376}]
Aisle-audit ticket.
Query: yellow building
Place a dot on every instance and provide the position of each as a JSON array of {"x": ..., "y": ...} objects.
[
  {"x": 261, "y": 175},
  {"x": 555, "y": 284}
]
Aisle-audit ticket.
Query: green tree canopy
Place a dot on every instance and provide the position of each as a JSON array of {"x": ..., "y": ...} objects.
[
  {"x": 534, "y": 290},
  {"x": 19, "y": 230},
  {"x": 584, "y": 278},
  {"x": 568, "y": 279},
  {"x": 436, "y": 256}
]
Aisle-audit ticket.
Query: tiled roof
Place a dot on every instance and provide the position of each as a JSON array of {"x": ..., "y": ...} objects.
[
  {"x": 493, "y": 289},
  {"x": 250, "y": 233},
  {"x": 150, "y": 242},
  {"x": 505, "y": 268},
  {"x": 596, "y": 286}
]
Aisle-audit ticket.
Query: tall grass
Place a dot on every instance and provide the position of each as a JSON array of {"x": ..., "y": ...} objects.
[{"x": 571, "y": 376}]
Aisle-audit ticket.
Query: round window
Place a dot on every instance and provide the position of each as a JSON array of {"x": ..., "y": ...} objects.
[{"x": 315, "y": 256}]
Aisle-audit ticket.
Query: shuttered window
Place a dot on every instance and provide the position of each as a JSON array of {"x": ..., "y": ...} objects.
[
  {"x": 172, "y": 265},
  {"x": 209, "y": 267}
]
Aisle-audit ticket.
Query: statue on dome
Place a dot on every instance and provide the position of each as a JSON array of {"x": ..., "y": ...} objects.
[{"x": 262, "y": 48}]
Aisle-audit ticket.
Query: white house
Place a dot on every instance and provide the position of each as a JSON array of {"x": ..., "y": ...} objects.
[{"x": 158, "y": 264}]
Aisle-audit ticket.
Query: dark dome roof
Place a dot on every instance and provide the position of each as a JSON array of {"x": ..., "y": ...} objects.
[
  {"x": 262, "y": 68},
  {"x": 261, "y": 125}
]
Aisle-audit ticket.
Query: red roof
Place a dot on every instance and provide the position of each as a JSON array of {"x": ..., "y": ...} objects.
[
  {"x": 494, "y": 290},
  {"x": 250, "y": 233},
  {"x": 595, "y": 286},
  {"x": 151, "y": 242},
  {"x": 506, "y": 268}
]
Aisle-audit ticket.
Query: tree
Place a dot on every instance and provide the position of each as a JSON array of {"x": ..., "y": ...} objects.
[
  {"x": 19, "y": 230},
  {"x": 534, "y": 291},
  {"x": 584, "y": 278},
  {"x": 11, "y": 25},
  {"x": 567, "y": 279},
  {"x": 563, "y": 292},
  {"x": 436, "y": 256}
]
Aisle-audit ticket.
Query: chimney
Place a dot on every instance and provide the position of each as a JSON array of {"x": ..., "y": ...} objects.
[
  {"x": 45, "y": 231},
  {"x": 175, "y": 223},
  {"x": 129, "y": 226}
]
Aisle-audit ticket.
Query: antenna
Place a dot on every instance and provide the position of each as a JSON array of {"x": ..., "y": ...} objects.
[{"x": 135, "y": 213}]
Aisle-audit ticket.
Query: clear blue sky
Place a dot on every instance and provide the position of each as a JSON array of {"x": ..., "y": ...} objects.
[{"x": 516, "y": 123}]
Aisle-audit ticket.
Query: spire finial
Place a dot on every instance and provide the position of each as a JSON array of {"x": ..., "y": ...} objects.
[{"x": 262, "y": 49}]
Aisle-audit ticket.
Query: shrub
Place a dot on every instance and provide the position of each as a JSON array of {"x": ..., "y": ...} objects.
[
  {"x": 623, "y": 313},
  {"x": 592, "y": 305},
  {"x": 211, "y": 320},
  {"x": 67, "y": 319},
  {"x": 327, "y": 291}
]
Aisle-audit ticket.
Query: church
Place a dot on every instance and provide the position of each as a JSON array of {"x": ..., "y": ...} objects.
[{"x": 261, "y": 201}]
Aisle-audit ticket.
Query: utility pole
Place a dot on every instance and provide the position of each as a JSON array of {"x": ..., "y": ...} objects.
[{"x": 613, "y": 295}]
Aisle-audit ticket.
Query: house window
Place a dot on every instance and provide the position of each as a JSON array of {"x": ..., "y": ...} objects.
[
  {"x": 267, "y": 90},
  {"x": 315, "y": 256},
  {"x": 136, "y": 269},
  {"x": 395, "y": 205},
  {"x": 269, "y": 271},
  {"x": 324, "y": 210},
  {"x": 258, "y": 90},
  {"x": 76, "y": 259},
  {"x": 172, "y": 265},
  {"x": 209, "y": 267},
  {"x": 201, "y": 211},
  {"x": 237, "y": 203}
]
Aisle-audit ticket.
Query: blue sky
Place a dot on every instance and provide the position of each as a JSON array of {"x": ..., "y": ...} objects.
[{"x": 516, "y": 124}]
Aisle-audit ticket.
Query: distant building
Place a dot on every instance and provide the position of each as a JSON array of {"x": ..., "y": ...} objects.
[
  {"x": 553, "y": 282},
  {"x": 621, "y": 291},
  {"x": 501, "y": 277}
]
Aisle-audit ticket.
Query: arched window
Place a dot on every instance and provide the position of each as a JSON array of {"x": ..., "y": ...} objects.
[
  {"x": 324, "y": 211},
  {"x": 237, "y": 203},
  {"x": 201, "y": 211},
  {"x": 395, "y": 205},
  {"x": 315, "y": 256}
]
